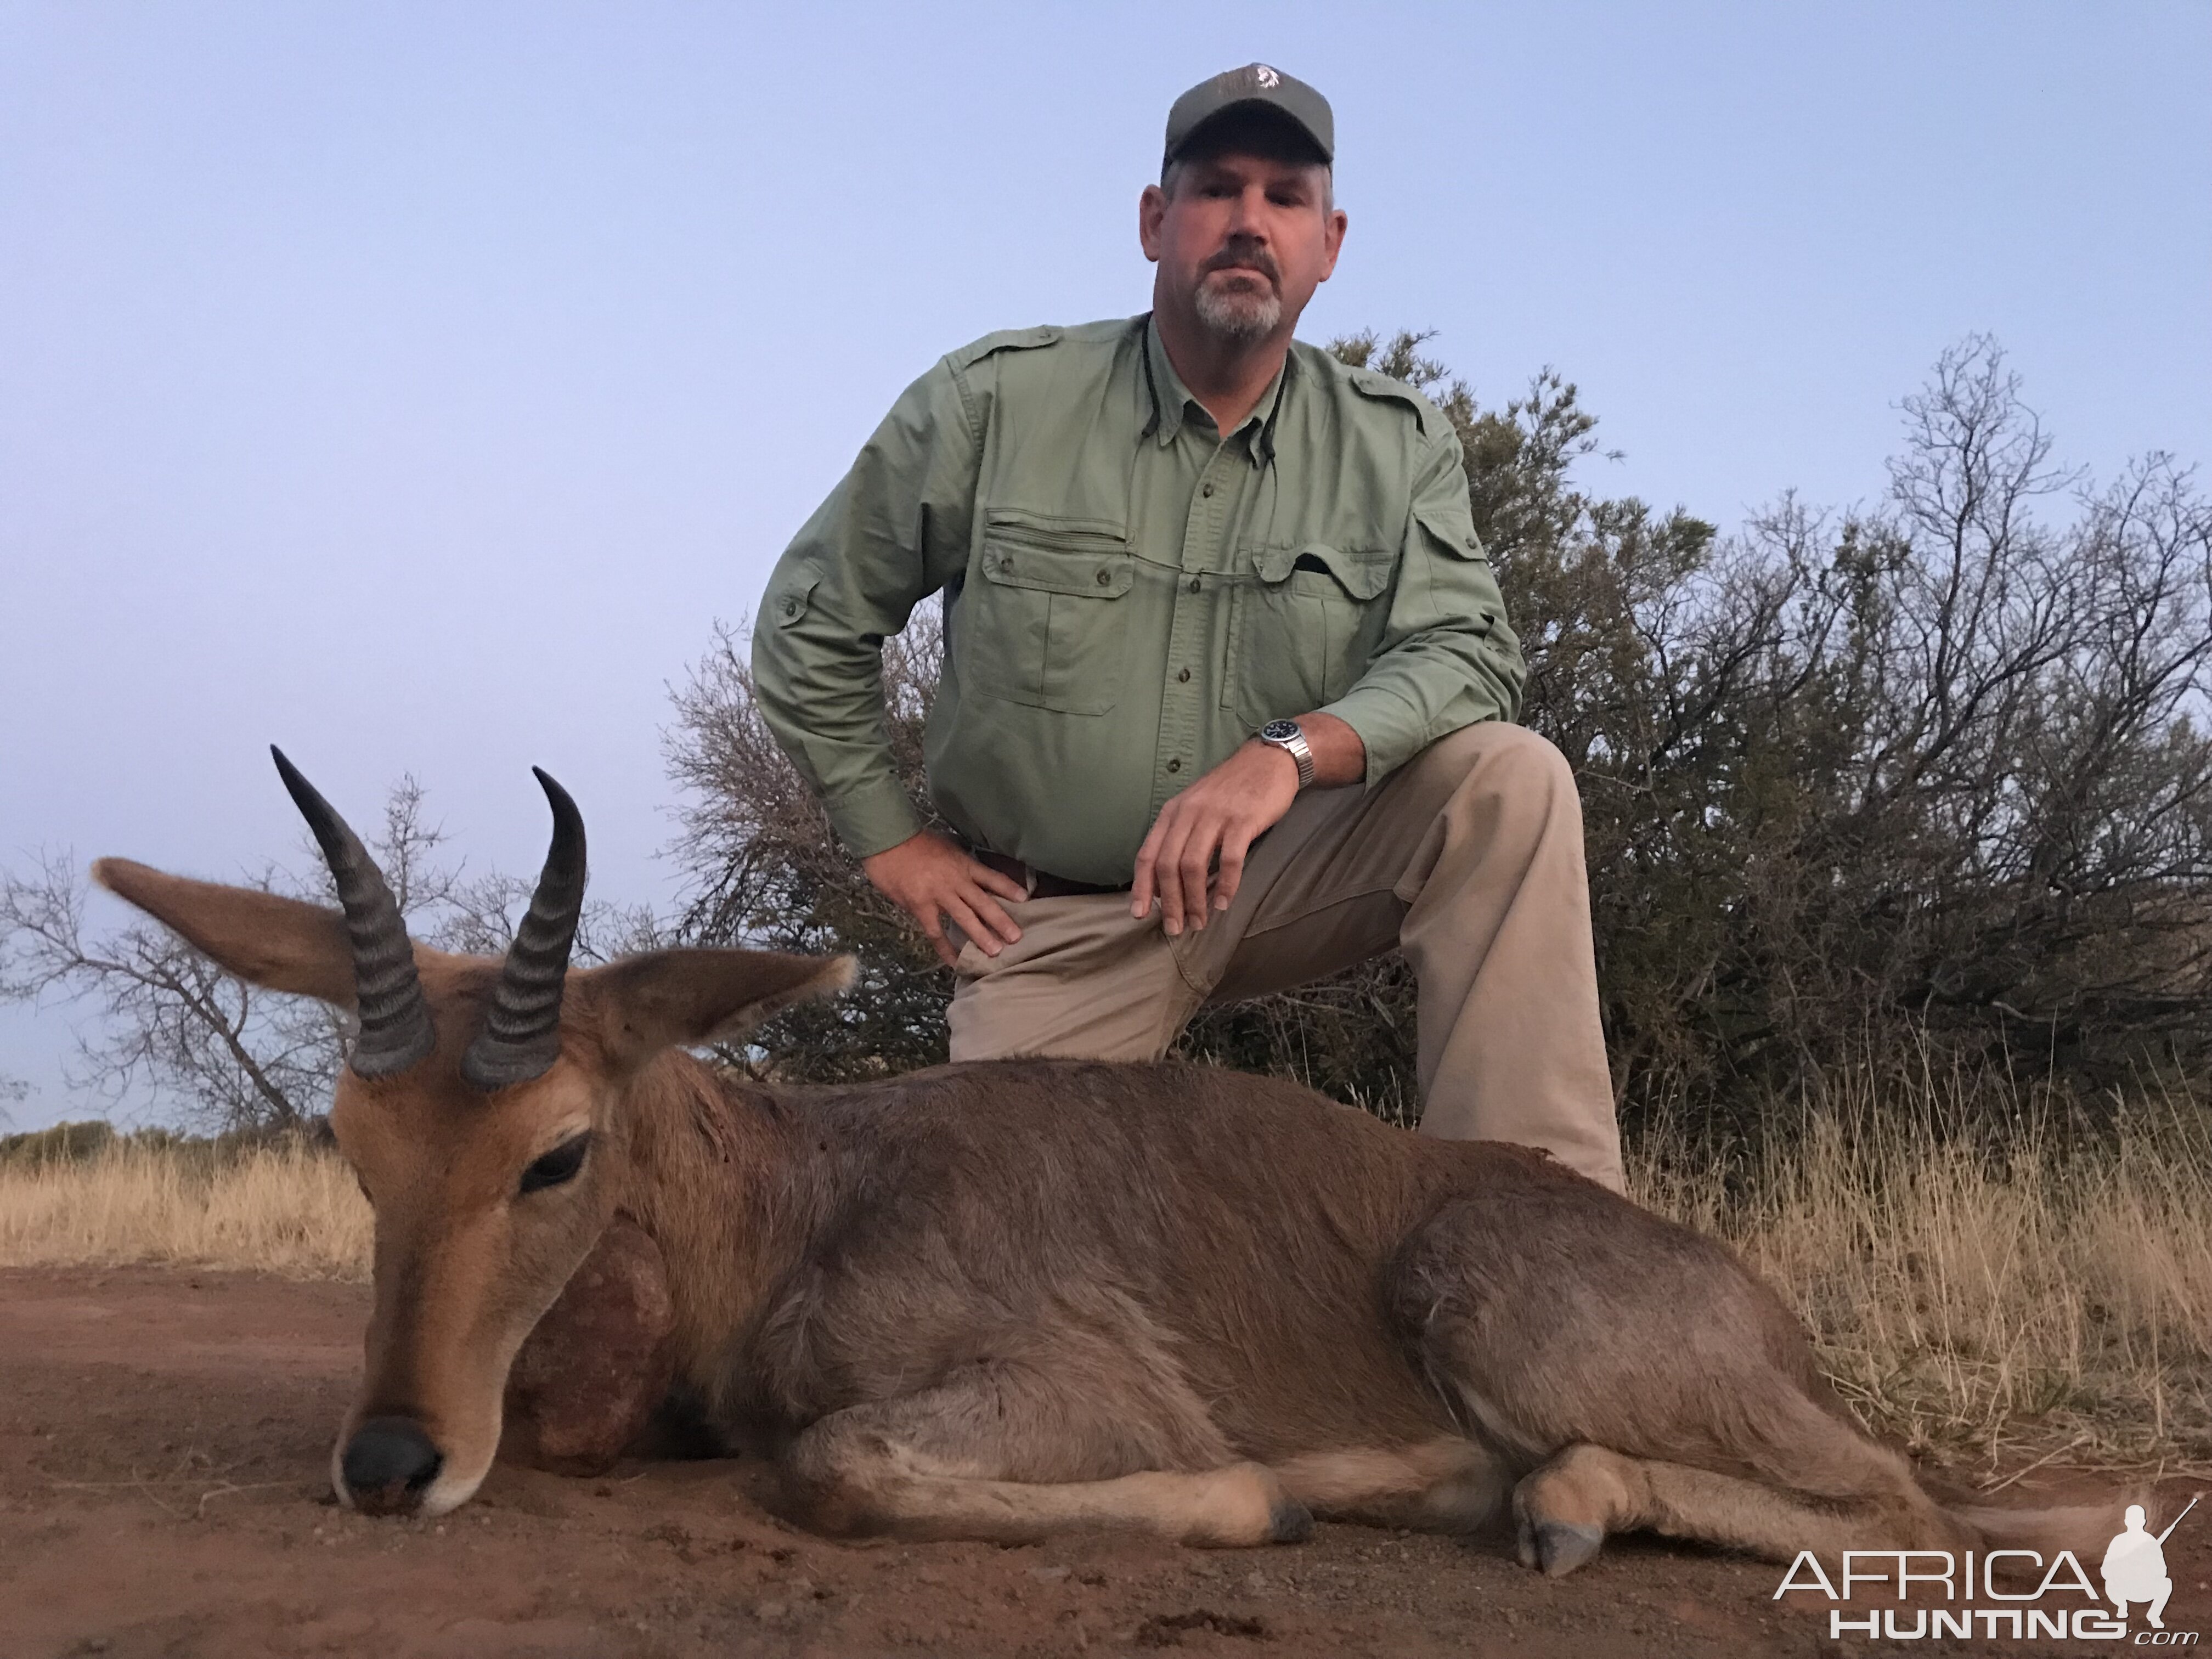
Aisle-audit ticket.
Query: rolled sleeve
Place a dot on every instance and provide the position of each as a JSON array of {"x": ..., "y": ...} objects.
[
  {"x": 874, "y": 817},
  {"x": 1446, "y": 657},
  {"x": 893, "y": 531}
]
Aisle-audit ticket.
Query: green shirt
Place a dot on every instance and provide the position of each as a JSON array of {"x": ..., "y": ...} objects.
[{"x": 1128, "y": 594}]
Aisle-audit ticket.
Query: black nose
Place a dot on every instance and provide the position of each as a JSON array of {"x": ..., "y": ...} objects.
[{"x": 387, "y": 1463}]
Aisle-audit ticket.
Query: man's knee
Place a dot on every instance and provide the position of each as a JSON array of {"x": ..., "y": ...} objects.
[{"x": 1510, "y": 758}]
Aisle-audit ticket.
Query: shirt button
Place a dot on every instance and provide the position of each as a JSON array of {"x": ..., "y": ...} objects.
[
  {"x": 1208, "y": 490},
  {"x": 1175, "y": 766},
  {"x": 1184, "y": 675},
  {"x": 1193, "y": 584},
  {"x": 1104, "y": 577}
]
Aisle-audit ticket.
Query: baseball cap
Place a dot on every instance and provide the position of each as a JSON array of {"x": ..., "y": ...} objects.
[{"x": 1254, "y": 86}]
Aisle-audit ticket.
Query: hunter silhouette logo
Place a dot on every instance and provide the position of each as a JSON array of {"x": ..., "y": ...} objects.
[
  {"x": 1934, "y": 1594},
  {"x": 2134, "y": 1569}
]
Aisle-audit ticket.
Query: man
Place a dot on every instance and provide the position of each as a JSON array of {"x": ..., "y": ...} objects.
[
  {"x": 1228, "y": 682},
  {"x": 2134, "y": 1567}
]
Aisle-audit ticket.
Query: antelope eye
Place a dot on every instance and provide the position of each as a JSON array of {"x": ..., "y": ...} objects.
[{"x": 558, "y": 1165}]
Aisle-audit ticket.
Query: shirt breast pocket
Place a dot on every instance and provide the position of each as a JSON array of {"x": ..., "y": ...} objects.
[
  {"x": 1304, "y": 622},
  {"x": 1042, "y": 623}
]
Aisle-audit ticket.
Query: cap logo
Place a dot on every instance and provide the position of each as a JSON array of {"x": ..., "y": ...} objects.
[{"x": 1265, "y": 76}]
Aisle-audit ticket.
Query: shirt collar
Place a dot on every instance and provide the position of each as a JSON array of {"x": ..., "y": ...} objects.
[{"x": 1172, "y": 401}]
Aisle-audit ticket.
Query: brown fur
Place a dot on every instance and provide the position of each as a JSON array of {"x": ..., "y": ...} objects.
[
  {"x": 996, "y": 1300},
  {"x": 590, "y": 1381}
]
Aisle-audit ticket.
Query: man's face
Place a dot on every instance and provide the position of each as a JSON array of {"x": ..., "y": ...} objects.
[{"x": 1242, "y": 244}]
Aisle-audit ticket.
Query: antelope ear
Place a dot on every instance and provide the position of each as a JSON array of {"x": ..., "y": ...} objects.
[
  {"x": 672, "y": 998},
  {"x": 278, "y": 944}
]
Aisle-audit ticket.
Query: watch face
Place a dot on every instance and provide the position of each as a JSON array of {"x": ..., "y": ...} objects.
[{"x": 1280, "y": 731}]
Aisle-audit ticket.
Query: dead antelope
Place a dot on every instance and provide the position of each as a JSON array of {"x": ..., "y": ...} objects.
[{"x": 997, "y": 1300}]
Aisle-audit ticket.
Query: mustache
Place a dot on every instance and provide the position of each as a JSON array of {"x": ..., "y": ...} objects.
[{"x": 1248, "y": 255}]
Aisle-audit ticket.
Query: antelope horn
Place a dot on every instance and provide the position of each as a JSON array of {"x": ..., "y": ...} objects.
[
  {"x": 521, "y": 1034},
  {"x": 396, "y": 1031}
]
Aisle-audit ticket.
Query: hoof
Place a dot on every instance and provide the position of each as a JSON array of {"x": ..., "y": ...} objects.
[
  {"x": 1560, "y": 1546},
  {"x": 1289, "y": 1521}
]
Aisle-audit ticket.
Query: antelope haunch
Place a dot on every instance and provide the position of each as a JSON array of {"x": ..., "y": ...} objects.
[{"x": 993, "y": 1301}]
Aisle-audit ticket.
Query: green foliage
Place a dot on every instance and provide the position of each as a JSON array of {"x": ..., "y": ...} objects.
[
  {"x": 1575, "y": 569},
  {"x": 64, "y": 1143},
  {"x": 1927, "y": 781}
]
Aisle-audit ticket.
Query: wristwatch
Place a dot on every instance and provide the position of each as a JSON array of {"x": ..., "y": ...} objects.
[{"x": 1286, "y": 737}]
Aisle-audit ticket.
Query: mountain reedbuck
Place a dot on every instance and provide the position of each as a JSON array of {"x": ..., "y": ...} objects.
[{"x": 997, "y": 1300}]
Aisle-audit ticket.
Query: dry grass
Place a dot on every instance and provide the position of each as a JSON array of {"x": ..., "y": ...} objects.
[
  {"x": 1998, "y": 1296},
  {"x": 287, "y": 1210},
  {"x": 1991, "y": 1296}
]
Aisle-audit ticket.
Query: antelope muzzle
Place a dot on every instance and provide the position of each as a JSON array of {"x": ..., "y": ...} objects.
[{"x": 387, "y": 1466}]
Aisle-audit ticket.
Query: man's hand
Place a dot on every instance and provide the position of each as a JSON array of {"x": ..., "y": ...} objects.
[
  {"x": 1224, "y": 813},
  {"x": 931, "y": 879}
]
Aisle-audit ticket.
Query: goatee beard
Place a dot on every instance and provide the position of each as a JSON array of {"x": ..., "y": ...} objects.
[{"x": 1237, "y": 316}]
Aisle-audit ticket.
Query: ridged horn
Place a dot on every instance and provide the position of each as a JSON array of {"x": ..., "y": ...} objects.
[
  {"x": 396, "y": 1031},
  {"x": 521, "y": 1035}
]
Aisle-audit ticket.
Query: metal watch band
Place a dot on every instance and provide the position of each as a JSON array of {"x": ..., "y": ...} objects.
[{"x": 1286, "y": 736}]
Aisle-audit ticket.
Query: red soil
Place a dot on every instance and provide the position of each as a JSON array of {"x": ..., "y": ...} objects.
[{"x": 164, "y": 1437}]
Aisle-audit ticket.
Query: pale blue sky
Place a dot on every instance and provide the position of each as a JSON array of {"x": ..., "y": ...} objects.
[{"x": 414, "y": 385}]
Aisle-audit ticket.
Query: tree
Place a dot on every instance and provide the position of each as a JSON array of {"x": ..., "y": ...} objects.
[
  {"x": 167, "y": 1022},
  {"x": 1930, "y": 770},
  {"x": 1928, "y": 777},
  {"x": 765, "y": 869},
  {"x": 1575, "y": 569}
]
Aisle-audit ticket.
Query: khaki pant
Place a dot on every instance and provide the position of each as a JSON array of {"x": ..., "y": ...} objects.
[{"x": 1469, "y": 857}]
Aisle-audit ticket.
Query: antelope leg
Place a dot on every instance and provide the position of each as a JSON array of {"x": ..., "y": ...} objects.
[
  {"x": 931, "y": 1465},
  {"x": 1447, "y": 1484},
  {"x": 1565, "y": 1509}
]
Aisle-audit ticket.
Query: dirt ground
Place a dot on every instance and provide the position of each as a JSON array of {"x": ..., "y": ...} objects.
[{"x": 164, "y": 1436}]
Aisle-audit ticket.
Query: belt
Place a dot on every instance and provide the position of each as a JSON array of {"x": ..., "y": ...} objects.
[{"x": 1040, "y": 884}]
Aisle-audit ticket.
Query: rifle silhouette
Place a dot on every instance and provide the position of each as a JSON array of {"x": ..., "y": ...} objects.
[{"x": 2176, "y": 1521}]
